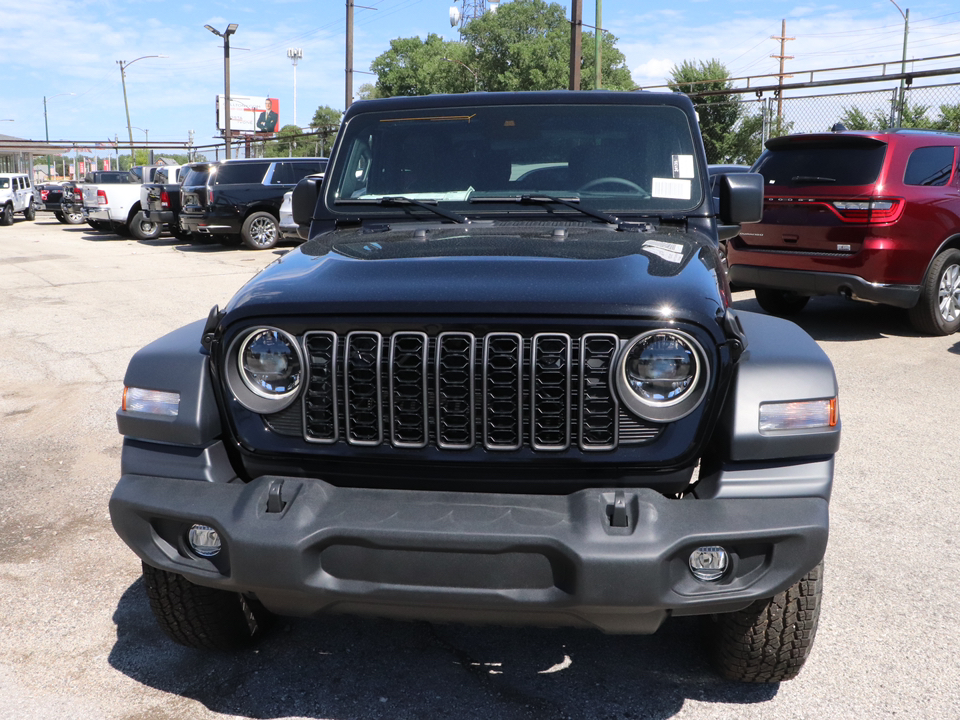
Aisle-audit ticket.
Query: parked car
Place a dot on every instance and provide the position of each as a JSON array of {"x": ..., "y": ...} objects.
[
  {"x": 16, "y": 196},
  {"x": 54, "y": 199},
  {"x": 871, "y": 216},
  {"x": 715, "y": 172},
  {"x": 288, "y": 226},
  {"x": 71, "y": 203},
  {"x": 476, "y": 394},
  {"x": 161, "y": 198},
  {"x": 241, "y": 200},
  {"x": 111, "y": 201}
]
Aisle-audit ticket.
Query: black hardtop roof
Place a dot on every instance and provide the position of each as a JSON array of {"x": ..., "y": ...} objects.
[
  {"x": 540, "y": 97},
  {"x": 235, "y": 161}
]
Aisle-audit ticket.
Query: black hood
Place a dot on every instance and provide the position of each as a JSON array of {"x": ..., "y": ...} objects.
[{"x": 502, "y": 269}]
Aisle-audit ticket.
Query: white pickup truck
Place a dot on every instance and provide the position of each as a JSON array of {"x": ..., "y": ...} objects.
[{"x": 111, "y": 201}]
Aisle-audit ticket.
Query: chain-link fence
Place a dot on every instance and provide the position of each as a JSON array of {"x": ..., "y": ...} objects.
[{"x": 935, "y": 107}]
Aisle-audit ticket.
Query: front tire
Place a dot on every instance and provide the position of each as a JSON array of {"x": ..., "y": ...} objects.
[
  {"x": 260, "y": 231},
  {"x": 769, "y": 641},
  {"x": 938, "y": 311},
  {"x": 782, "y": 303},
  {"x": 143, "y": 229},
  {"x": 202, "y": 617},
  {"x": 6, "y": 215}
]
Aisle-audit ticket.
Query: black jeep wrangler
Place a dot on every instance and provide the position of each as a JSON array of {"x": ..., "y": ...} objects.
[{"x": 501, "y": 382}]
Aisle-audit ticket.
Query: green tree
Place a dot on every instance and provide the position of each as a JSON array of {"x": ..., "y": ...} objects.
[
  {"x": 854, "y": 118},
  {"x": 288, "y": 143},
  {"x": 326, "y": 123},
  {"x": 727, "y": 132},
  {"x": 525, "y": 45},
  {"x": 949, "y": 118}
]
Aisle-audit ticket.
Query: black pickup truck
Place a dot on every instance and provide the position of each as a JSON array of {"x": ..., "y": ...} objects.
[
  {"x": 502, "y": 381},
  {"x": 240, "y": 199},
  {"x": 162, "y": 199}
]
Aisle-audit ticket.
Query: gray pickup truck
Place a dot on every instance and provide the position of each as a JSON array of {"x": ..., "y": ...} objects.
[{"x": 501, "y": 382}]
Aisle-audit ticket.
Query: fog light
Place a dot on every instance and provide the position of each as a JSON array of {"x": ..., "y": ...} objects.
[
  {"x": 205, "y": 541},
  {"x": 708, "y": 563}
]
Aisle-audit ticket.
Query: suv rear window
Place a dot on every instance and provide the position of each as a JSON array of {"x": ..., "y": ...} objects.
[
  {"x": 929, "y": 166},
  {"x": 822, "y": 163},
  {"x": 242, "y": 172},
  {"x": 290, "y": 173},
  {"x": 196, "y": 176}
]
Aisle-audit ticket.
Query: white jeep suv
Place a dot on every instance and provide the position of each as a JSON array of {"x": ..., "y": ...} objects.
[{"x": 16, "y": 196}]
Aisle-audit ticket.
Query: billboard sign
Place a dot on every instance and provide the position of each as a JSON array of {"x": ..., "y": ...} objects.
[{"x": 249, "y": 114}]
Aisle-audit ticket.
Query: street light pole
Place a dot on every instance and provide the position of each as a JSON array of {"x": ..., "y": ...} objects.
[
  {"x": 231, "y": 29},
  {"x": 903, "y": 63},
  {"x": 476, "y": 77},
  {"x": 46, "y": 127},
  {"x": 123, "y": 79},
  {"x": 295, "y": 54}
]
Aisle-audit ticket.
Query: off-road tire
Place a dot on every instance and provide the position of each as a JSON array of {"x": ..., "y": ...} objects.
[
  {"x": 142, "y": 229},
  {"x": 31, "y": 212},
  {"x": 782, "y": 303},
  {"x": 6, "y": 215},
  {"x": 938, "y": 310},
  {"x": 769, "y": 641},
  {"x": 201, "y": 617},
  {"x": 260, "y": 231}
]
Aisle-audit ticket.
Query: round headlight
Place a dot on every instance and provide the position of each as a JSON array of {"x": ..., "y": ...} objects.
[
  {"x": 265, "y": 369},
  {"x": 270, "y": 363},
  {"x": 662, "y": 375}
]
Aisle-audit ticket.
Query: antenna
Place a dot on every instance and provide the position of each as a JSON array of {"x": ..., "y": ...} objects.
[{"x": 468, "y": 10}]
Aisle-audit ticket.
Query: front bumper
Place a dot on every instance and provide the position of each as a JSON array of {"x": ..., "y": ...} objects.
[
  {"x": 806, "y": 282},
  {"x": 471, "y": 557}
]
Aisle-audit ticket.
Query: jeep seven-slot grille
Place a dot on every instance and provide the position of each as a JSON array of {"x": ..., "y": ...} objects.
[{"x": 502, "y": 391}]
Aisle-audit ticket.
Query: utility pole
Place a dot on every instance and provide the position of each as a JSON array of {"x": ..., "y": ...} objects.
[
  {"x": 597, "y": 36},
  {"x": 295, "y": 54},
  {"x": 576, "y": 30},
  {"x": 348, "y": 95},
  {"x": 231, "y": 29},
  {"x": 783, "y": 39},
  {"x": 903, "y": 64}
]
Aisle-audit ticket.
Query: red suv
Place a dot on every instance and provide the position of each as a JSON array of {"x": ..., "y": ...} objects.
[{"x": 873, "y": 216}]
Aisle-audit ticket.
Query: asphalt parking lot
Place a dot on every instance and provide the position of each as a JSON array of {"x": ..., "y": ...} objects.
[{"x": 77, "y": 639}]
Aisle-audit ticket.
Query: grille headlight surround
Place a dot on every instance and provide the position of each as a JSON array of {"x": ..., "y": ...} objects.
[
  {"x": 662, "y": 375},
  {"x": 265, "y": 369}
]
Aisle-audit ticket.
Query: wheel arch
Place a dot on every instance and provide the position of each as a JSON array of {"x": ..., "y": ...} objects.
[{"x": 134, "y": 209}]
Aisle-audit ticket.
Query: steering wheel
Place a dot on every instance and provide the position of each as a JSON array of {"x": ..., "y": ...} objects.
[{"x": 615, "y": 180}]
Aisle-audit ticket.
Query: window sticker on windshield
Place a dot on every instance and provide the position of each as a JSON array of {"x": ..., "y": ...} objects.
[
  {"x": 683, "y": 166},
  {"x": 670, "y": 188}
]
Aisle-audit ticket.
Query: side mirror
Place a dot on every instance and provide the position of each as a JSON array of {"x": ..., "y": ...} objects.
[
  {"x": 304, "y": 202},
  {"x": 741, "y": 198}
]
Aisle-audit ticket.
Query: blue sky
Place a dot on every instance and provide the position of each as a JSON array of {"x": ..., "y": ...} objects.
[{"x": 49, "y": 53}]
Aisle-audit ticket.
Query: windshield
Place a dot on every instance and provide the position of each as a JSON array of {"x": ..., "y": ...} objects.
[{"x": 622, "y": 158}]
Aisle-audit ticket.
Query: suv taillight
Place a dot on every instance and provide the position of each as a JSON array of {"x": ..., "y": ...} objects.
[
  {"x": 44, "y": 194},
  {"x": 877, "y": 210},
  {"x": 101, "y": 197},
  {"x": 164, "y": 199},
  {"x": 209, "y": 196}
]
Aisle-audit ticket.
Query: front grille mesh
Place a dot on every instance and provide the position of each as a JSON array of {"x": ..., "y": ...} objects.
[{"x": 455, "y": 391}]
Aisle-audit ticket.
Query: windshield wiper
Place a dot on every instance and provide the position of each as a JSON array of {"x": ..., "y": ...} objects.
[
  {"x": 545, "y": 199},
  {"x": 396, "y": 200},
  {"x": 812, "y": 179}
]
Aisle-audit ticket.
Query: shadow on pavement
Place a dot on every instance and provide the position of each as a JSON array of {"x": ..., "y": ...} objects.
[
  {"x": 835, "y": 319},
  {"x": 351, "y": 668}
]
